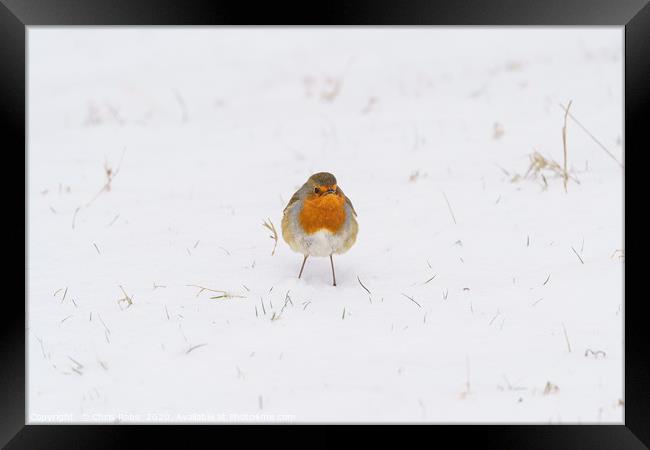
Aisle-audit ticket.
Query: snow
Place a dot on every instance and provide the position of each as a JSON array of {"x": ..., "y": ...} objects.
[{"x": 213, "y": 129}]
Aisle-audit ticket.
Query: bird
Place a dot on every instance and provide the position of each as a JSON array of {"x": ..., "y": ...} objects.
[{"x": 319, "y": 220}]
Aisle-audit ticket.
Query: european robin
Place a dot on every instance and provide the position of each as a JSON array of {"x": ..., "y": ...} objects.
[{"x": 319, "y": 220}]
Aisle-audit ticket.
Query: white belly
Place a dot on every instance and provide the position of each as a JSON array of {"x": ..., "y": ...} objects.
[{"x": 322, "y": 243}]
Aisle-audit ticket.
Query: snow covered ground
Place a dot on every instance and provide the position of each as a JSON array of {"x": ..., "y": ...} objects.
[{"x": 208, "y": 132}]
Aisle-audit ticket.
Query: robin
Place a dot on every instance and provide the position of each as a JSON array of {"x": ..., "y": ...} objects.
[{"x": 319, "y": 220}]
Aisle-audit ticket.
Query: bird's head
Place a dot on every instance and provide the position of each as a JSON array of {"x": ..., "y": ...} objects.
[{"x": 322, "y": 184}]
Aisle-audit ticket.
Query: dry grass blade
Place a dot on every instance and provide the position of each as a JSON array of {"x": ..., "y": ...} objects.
[
  {"x": 74, "y": 216},
  {"x": 269, "y": 225},
  {"x": 65, "y": 318},
  {"x": 566, "y": 338},
  {"x": 127, "y": 299},
  {"x": 550, "y": 388},
  {"x": 566, "y": 109},
  {"x": 222, "y": 294},
  {"x": 201, "y": 289},
  {"x": 577, "y": 254},
  {"x": 539, "y": 166},
  {"x": 110, "y": 176},
  {"x": 368, "y": 291},
  {"x": 565, "y": 173},
  {"x": 194, "y": 347},
  {"x": 449, "y": 206},
  {"x": 430, "y": 279},
  {"x": 227, "y": 295},
  {"x": 77, "y": 363},
  {"x": 412, "y": 299},
  {"x": 620, "y": 252}
]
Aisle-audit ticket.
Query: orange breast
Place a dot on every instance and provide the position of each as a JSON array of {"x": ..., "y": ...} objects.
[{"x": 323, "y": 212}]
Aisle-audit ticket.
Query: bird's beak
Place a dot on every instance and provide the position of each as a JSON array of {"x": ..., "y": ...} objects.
[{"x": 330, "y": 191}]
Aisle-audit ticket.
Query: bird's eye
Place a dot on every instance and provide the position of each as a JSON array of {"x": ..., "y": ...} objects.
[{"x": 316, "y": 190}]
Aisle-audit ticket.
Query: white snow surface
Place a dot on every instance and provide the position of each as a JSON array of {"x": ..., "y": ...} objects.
[{"x": 209, "y": 131}]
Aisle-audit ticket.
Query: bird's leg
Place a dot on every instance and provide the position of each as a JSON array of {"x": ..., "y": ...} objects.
[
  {"x": 333, "y": 275},
  {"x": 303, "y": 265}
]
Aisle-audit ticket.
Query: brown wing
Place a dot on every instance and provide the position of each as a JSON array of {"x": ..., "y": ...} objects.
[
  {"x": 293, "y": 200},
  {"x": 347, "y": 200}
]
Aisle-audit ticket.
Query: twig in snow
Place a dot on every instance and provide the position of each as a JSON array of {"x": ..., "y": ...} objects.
[
  {"x": 367, "y": 290},
  {"x": 77, "y": 363},
  {"x": 574, "y": 251},
  {"x": 194, "y": 347},
  {"x": 66, "y": 318},
  {"x": 412, "y": 299},
  {"x": 102, "y": 321},
  {"x": 114, "y": 219},
  {"x": 430, "y": 279},
  {"x": 449, "y": 207},
  {"x": 74, "y": 216},
  {"x": 97, "y": 248},
  {"x": 566, "y": 337},
  {"x": 547, "y": 278}
]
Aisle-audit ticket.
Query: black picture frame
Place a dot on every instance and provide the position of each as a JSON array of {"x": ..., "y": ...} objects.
[{"x": 16, "y": 15}]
